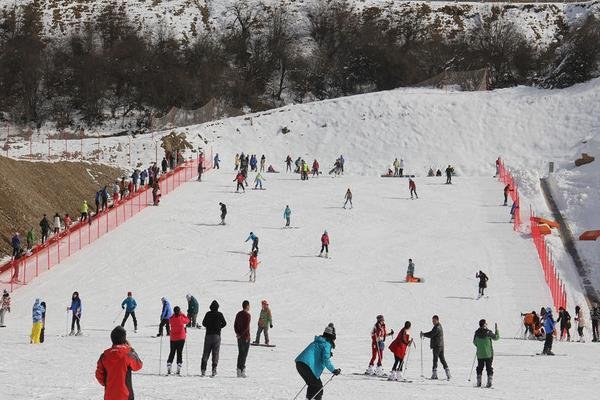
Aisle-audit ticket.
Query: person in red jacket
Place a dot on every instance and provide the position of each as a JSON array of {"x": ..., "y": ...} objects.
[
  {"x": 177, "y": 322},
  {"x": 239, "y": 178},
  {"x": 412, "y": 186},
  {"x": 315, "y": 168},
  {"x": 241, "y": 327},
  {"x": 113, "y": 370},
  {"x": 399, "y": 347},
  {"x": 324, "y": 244},
  {"x": 253, "y": 261},
  {"x": 378, "y": 335}
]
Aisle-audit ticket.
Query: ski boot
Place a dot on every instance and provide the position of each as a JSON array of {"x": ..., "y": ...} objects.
[
  {"x": 370, "y": 370},
  {"x": 399, "y": 376},
  {"x": 447, "y": 370},
  {"x": 203, "y": 373},
  {"x": 478, "y": 381},
  {"x": 72, "y": 333},
  {"x": 379, "y": 371},
  {"x": 214, "y": 372},
  {"x": 243, "y": 375},
  {"x": 489, "y": 382},
  {"x": 239, "y": 373},
  {"x": 178, "y": 369},
  {"x": 434, "y": 374},
  {"x": 168, "y": 368},
  {"x": 392, "y": 376},
  {"x": 79, "y": 333}
]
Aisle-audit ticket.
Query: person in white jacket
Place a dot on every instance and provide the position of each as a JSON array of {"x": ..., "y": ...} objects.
[
  {"x": 580, "y": 319},
  {"x": 57, "y": 223}
]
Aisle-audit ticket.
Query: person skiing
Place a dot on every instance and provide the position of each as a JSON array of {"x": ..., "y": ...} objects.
[
  {"x": 254, "y": 239},
  {"x": 113, "y": 369},
  {"x": 216, "y": 161},
  {"x": 399, "y": 347},
  {"x": 165, "y": 314},
  {"x": 514, "y": 210},
  {"x": 213, "y": 322},
  {"x": 324, "y": 244},
  {"x": 288, "y": 164},
  {"x": 129, "y": 305},
  {"x": 507, "y": 190},
  {"x": 237, "y": 162},
  {"x": 315, "y": 168},
  {"x": 239, "y": 179},
  {"x": 45, "y": 227},
  {"x": 396, "y": 165},
  {"x": 580, "y": 319},
  {"x": 5, "y": 307},
  {"x": 410, "y": 273},
  {"x": 565, "y": 323},
  {"x": 16, "y": 245},
  {"x": 498, "y": 163},
  {"x": 314, "y": 359},
  {"x": 265, "y": 322},
  {"x": 241, "y": 326},
  {"x": 595, "y": 317},
  {"x": 253, "y": 262},
  {"x": 483, "y": 278},
  {"x": 449, "y": 172},
  {"x": 342, "y": 162},
  {"x": 378, "y": 335},
  {"x": 223, "y": 212},
  {"x": 200, "y": 170},
  {"x": 75, "y": 309},
  {"x": 178, "y": 322},
  {"x": 258, "y": 180},
  {"x": 30, "y": 239},
  {"x": 287, "y": 213},
  {"x": 412, "y": 187},
  {"x": 401, "y": 167},
  {"x": 84, "y": 211},
  {"x": 36, "y": 328},
  {"x": 436, "y": 336},
  {"x": 348, "y": 198},
  {"x": 192, "y": 310},
  {"x": 485, "y": 351},
  {"x": 549, "y": 329}
]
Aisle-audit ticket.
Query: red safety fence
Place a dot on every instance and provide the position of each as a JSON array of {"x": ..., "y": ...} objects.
[
  {"x": 555, "y": 284},
  {"x": 20, "y": 272}
]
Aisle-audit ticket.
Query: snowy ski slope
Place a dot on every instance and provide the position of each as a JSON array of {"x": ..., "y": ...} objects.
[{"x": 178, "y": 248}]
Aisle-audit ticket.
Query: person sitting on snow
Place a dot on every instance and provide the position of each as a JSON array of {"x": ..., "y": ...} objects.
[{"x": 410, "y": 272}]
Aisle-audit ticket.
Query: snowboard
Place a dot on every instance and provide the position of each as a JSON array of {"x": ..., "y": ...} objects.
[{"x": 262, "y": 345}]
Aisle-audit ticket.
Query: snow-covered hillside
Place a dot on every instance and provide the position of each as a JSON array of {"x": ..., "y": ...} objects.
[
  {"x": 189, "y": 18},
  {"x": 451, "y": 231}
]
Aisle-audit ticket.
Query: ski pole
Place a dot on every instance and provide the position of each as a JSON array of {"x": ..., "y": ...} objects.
[
  {"x": 300, "y": 391},
  {"x": 472, "y": 365},
  {"x": 187, "y": 361},
  {"x": 405, "y": 366},
  {"x": 320, "y": 390},
  {"x": 160, "y": 356},
  {"x": 422, "y": 375},
  {"x": 118, "y": 315},
  {"x": 67, "y": 330}
]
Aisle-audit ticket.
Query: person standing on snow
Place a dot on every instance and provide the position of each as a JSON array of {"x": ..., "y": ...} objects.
[
  {"x": 483, "y": 278},
  {"x": 75, "y": 309},
  {"x": 237, "y": 162},
  {"x": 113, "y": 369},
  {"x": 216, "y": 161},
  {"x": 287, "y": 213},
  {"x": 223, "y": 212},
  {"x": 549, "y": 329},
  {"x": 15, "y": 242},
  {"x": 254, "y": 239},
  {"x": 239, "y": 179},
  {"x": 436, "y": 336},
  {"x": 399, "y": 347},
  {"x": 565, "y": 323},
  {"x": 30, "y": 239},
  {"x": 241, "y": 327},
  {"x": 57, "y": 224},
  {"x": 324, "y": 244},
  {"x": 258, "y": 181},
  {"x": 507, "y": 190},
  {"x": 265, "y": 322},
  {"x": 129, "y": 305},
  {"x": 485, "y": 351},
  {"x": 580, "y": 319},
  {"x": 396, "y": 165},
  {"x": 37, "y": 316},
  {"x": 213, "y": 322},
  {"x": 84, "y": 211},
  {"x": 288, "y": 164},
  {"x": 595, "y": 317},
  {"x": 45, "y": 227},
  {"x": 253, "y": 262},
  {"x": 315, "y": 168},
  {"x": 348, "y": 198},
  {"x": 178, "y": 321},
  {"x": 449, "y": 172},
  {"x": 192, "y": 310},
  {"x": 401, "y": 167},
  {"x": 165, "y": 314},
  {"x": 412, "y": 187},
  {"x": 200, "y": 170},
  {"x": 378, "y": 335},
  {"x": 314, "y": 359},
  {"x": 263, "y": 160},
  {"x": 4, "y": 307}
]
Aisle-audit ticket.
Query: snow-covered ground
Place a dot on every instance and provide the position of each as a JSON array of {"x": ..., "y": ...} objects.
[{"x": 178, "y": 248}]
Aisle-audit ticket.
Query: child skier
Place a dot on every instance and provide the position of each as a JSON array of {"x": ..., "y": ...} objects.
[
  {"x": 324, "y": 244},
  {"x": 265, "y": 322},
  {"x": 412, "y": 186},
  {"x": 253, "y": 261},
  {"x": 348, "y": 198},
  {"x": 254, "y": 239},
  {"x": 165, "y": 314},
  {"x": 36, "y": 328},
  {"x": 4, "y": 307},
  {"x": 223, "y": 212},
  {"x": 287, "y": 213},
  {"x": 178, "y": 321},
  {"x": 378, "y": 335},
  {"x": 485, "y": 351},
  {"x": 75, "y": 309},
  {"x": 549, "y": 329},
  {"x": 399, "y": 347},
  {"x": 129, "y": 305},
  {"x": 483, "y": 278}
]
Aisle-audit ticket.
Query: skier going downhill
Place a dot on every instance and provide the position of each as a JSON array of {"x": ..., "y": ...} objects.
[
  {"x": 253, "y": 263},
  {"x": 324, "y": 244},
  {"x": 483, "y": 278},
  {"x": 399, "y": 347},
  {"x": 287, "y": 213},
  {"x": 436, "y": 336},
  {"x": 485, "y": 351},
  {"x": 378, "y": 335},
  {"x": 223, "y": 212},
  {"x": 254, "y": 239},
  {"x": 348, "y": 198},
  {"x": 412, "y": 187}
]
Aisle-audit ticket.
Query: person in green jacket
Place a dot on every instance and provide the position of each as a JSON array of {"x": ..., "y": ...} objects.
[
  {"x": 192, "y": 310},
  {"x": 30, "y": 239},
  {"x": 485, "y": 351},
  {"x": 265, "y": 321}
]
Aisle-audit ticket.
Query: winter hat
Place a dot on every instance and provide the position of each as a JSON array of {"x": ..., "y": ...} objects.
[
  {"x": 214, "y": 306},
  {"x": 118, "y": 335},
  {"x": 176, "y": 310},
  {"x": 329, "y": 332},
  {"x": 380, "y": 318},
  {"x": 129, "y": 294},
  {"x": 548, "y": 310},
  {"x": 482, "y": 323},
  {"x": 5, "y": 294}
]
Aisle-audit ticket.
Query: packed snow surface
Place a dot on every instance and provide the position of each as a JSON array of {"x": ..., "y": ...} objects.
[{"x": 450, "y": 232}]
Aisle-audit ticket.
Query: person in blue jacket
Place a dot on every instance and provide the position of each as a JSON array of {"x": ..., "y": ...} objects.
[
  {"x": 314, "y": 359},
  {"x": 254, "y": 239},
  {"x": 166, "y": 313},
  {"x": 216, "y": 161},
  {"x": 549, "y": 329},
  {"x": 75, "y": 309},
  {"x": 129, "y": 305},
  {"x": 287, "y": 213},
  {"x": 16, "y": 245}
]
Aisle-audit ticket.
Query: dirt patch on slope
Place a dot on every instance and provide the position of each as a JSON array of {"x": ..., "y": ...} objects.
[{"x": 28, "y": 190}]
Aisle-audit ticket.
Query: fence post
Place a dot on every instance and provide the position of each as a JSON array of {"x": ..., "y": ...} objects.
[{"x": 37, "y": 264}]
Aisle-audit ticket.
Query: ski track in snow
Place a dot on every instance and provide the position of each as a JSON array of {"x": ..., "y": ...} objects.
[{"x": 451, "y": 231}]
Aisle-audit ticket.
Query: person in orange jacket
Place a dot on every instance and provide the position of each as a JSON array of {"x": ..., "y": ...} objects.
[
  {"x": 253, "y": 261},
  {"x": 113, "y": 370},
  {"x": 178, "y": 321}
]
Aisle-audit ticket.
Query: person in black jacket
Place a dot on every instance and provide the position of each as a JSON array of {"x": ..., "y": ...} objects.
[
  {"x": 436, "y": 336},
  {"x": 565, "y": 324},
  {"x": 45, "y": 227},
  {"x": 483, "y": 278},
  {"x": 223, "y": 212},
  {"x": 213, "y": 321}
]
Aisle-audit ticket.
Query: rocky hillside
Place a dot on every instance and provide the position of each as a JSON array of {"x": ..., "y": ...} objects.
[{"x": 189, "y": 18}]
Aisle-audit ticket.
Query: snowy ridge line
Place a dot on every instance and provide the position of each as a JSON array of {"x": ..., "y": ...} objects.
[
  {"x": 15, "y": 274},
  {"x": 568, "y": 241}
]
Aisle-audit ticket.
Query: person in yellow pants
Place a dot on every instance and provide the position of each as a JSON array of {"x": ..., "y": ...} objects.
[{"x": 37, "y": 315}]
